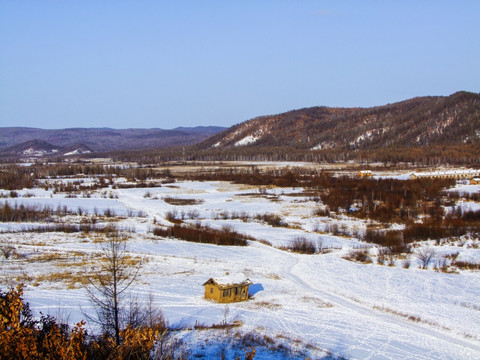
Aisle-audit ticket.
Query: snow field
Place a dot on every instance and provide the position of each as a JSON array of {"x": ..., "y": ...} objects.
[{"x": 350, "y": 309}]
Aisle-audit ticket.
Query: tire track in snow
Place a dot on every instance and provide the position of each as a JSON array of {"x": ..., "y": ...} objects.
[{"x": 291, "y": 261}]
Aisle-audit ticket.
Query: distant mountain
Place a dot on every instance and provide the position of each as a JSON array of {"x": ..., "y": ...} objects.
[
  {"x": 76, "y": 149},
  {"x": 40, "y": 148},
  {"x": 16, "y": 140},
  {"x": 33, "y": 148},
  {"x": 414, "y": 123}
]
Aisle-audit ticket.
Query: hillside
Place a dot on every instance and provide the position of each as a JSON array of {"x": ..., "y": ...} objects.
[
  {"x": 100, "y": 139},
  {"x": 416, "y": 122},
  {"x": 419, "y": 123}
]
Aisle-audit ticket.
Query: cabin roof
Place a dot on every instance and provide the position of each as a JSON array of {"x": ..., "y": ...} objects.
[{"x": 229, "y": 280}]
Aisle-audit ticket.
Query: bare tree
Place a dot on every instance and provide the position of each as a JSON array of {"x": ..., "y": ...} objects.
[
  {"x": 7, "y": 250},
  {"x": 107, "y": 288},
  {"x": 425, "y": 255},
  {"x": 140, "y": 314}
]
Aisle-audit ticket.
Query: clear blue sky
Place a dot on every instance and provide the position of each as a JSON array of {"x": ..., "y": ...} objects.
[{"x": 144, "y": 64}]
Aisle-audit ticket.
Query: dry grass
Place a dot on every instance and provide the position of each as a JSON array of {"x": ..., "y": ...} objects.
[
  {"x": 75, "y": 263},
  {"x": 410, "y": 317},
  {"x": 48, "y": 257},
  {"x": 267, "y": 305},
  {"x": 318, "y": 303},
  {"x": 24, "y": 278},
  {"x": 273, "y": 276},
  {"x": 70, "y": 278},
  {"x": 264, "y": 242}
]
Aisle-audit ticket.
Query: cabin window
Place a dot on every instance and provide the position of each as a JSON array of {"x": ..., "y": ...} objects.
[
  {"x": 237, "y": 290},
  {"x": 226, "y": 292},
  {"x": 211, "y": 290}
]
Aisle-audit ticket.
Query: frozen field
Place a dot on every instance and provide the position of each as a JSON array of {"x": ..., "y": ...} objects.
[{"x": 322, "y": 303}]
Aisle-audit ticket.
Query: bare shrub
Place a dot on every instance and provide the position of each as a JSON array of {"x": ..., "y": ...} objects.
[
  {"x": 302, "y": 245},
  {"x": 193, "y": 214},
  {"x": 317, "y": 227},
  {"x": 361, "y": 255},
  {"x": 109, "y": 213},
  {"x": 203, "y": 234},
  {"x": 181, "y": 202},
  {"x": 381, "y": 256},
  {"x": 24, "y": 213},
  {"x": 172, "y": 216},
  {"x": 272, "y": 219},
  {"x": 7, "y": 250},
  {"x": 425, "y": 255},
  {"x": 333, "y": 229},
  {"x": 144, "y": 314},
  {"x": 465, "y": 265},
  {"x": 142, "y": 213},
  {"x": 320, "y": 247},
  {"x": 322, "y": 211}
]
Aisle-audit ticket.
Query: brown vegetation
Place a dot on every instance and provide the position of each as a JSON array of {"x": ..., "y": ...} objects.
[
  {"x": 428, "y": 131},
  {"x": 181, "y": 202},
  {"x": 360, "y": 255},
  {"x": 203, "y": 234},
  {"x": 302, "y": 245},
  {"x": 24, "y": 337}
]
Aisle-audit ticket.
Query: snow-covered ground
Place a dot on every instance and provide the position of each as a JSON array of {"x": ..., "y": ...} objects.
[{"x": 320, "y": 302}]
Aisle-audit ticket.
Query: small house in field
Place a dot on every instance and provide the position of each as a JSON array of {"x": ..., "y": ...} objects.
[
  {"x": 365, "y": 173},
  {"x": 228, "y": 288},
  {"x": 475, "y": 181}
]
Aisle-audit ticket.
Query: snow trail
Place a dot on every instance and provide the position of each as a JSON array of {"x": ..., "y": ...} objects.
[{"x": 290, "y": 264}]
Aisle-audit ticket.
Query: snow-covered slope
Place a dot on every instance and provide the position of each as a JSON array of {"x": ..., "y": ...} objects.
[{"x": 320, "y": 302}]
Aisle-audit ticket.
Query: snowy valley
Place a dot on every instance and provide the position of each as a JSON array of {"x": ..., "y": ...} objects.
[{"x": 327, "y": 304}]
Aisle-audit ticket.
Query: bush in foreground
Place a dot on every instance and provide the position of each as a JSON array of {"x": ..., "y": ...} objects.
[{"x": 23, "y": 337}]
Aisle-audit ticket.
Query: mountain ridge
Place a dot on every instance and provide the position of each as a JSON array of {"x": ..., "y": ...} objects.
[
  {"x": 104, "y": 139},
  {"x": 428, "y": 129},
  {"x": 419, "y": 121}
]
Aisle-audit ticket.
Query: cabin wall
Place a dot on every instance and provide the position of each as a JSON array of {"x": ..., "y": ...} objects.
[
  {"x": 227, "y": 295},
  {"x": 212, "y": 292}
]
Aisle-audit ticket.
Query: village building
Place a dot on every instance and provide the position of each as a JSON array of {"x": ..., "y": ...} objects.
[
  {"x": 475, "y": 181},
  {"x": 228, "y": 288},
  {"x": 447, "y": 174},
  {"x": 365, "y": 173}
]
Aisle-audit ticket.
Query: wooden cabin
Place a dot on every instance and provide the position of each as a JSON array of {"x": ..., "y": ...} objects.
[
  {"x": 365, "y": 173},
  {"x": 475, "y": 181},
  {"x": 227, "y": 289}
]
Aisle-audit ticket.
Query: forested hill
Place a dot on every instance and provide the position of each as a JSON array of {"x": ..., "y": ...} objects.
[
  {"x": 416, "y": 122},
  {"x": 15, "y": 139},
  {"x": 448, "y": 126}
]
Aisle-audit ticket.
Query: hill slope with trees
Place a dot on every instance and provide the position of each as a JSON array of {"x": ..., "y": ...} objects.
[{"x": 438, "y": 127}]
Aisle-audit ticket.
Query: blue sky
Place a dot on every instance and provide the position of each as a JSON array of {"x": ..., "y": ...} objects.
[{"x": 163, "y": 64}]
